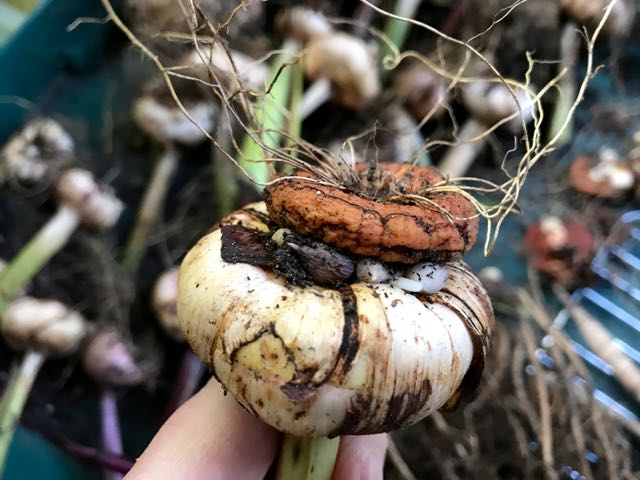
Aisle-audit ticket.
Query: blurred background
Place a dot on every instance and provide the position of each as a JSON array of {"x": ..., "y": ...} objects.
[{"x": 573, "y": 232}]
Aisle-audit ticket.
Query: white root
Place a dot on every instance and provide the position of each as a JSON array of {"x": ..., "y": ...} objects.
[
  {"x": 314, "y": 361},
  {"x": 406, "y": 284}
]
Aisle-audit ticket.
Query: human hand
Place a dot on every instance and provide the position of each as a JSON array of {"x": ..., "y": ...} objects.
[{"x": 212, "y": 437}]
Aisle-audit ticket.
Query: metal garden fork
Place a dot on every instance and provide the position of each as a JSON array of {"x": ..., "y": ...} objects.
[{"x": 615, "y": 301}]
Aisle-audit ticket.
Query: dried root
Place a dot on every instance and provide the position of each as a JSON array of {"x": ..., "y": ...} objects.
[{"x": 237, "y": 104}]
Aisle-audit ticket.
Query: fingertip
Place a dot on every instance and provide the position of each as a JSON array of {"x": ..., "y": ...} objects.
[{"x": 361, "y": 457}]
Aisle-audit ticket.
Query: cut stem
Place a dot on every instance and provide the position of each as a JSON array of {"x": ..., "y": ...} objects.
[
  {"x": 35, "y": 254},
  {"x": 111, "y": 437},
  {"x": 149, "y": 210},
  {"x": 307, "y": 458},
  {"x": 459, "y": 158},
  {"x": 14, "y": 399},
  {"x": 270, "y": 116}
]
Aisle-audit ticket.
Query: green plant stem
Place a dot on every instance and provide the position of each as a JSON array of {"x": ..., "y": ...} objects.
[
  {"x": 567, "y": 90},
  {"x": 225, "y": 174},
  {"x": 149, "y": 210},
  {"x": 307, "y": 458},
  {"x": 270, "y": 113},
  {"x": 14, "y": 398},
  {"x": 35, "y": 254},
  {"x": 295, "y": 114},
  {"x": 297, "y": 93},
  {"x": 397, "y": 30}
]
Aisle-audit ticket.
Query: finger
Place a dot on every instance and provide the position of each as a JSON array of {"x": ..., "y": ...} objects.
[
  {"x": 210, "y": 436},
  {"x": 361, "y": 457}
]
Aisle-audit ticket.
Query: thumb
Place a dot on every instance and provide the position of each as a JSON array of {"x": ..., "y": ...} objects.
[{"x": 210, "y": 436}]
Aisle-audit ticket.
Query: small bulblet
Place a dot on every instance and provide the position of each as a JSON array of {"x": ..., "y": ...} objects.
[
  {"x": 315, "y": 361},
  {"x": 325, "y": 265},
  {"x": 163, "y": 303},
  {"x": 302, "y": 24},
  {"x": 167, "y": 123},
  {"x": 46, "y": 326},
  {"x": 347, "y": 62},
  {"x": 37, "y": 152},
  {"x": 111, "y": 361},
  {"x": 96, "y": 206}
]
